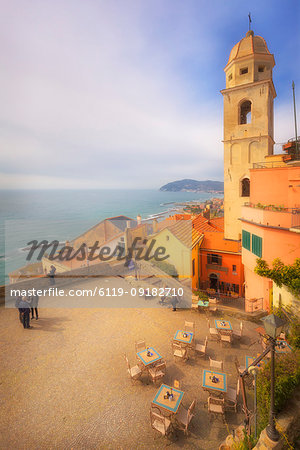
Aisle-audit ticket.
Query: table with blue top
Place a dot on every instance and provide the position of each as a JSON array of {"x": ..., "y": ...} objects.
[
  {"x": 214, "y": 381},
  {"x": 184, "y": 337},
  {"x": 203, "y": 304},
  {"x": 172, "y": 404},
  {"x": 251, "y": 359},
  {"x": 282, "y": 347},
  {"x": 223, "y": 325},
  {"x": 149, "y": 359}
]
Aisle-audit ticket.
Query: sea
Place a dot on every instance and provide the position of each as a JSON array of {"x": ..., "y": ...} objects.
[{"x": 27, "y": 215}]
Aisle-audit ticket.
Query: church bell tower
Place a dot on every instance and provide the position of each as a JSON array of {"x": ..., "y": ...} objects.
[{"x": 248, "y": 123}]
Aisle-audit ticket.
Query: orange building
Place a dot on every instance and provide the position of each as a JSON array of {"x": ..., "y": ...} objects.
[
  {"x": 220, "y": 266},
  {"x": 270, "y": 225}
]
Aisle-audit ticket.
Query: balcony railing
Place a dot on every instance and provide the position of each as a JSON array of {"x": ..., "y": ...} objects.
[{"x": 268, "y": 215}]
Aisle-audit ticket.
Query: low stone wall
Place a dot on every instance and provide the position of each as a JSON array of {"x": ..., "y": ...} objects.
[{"x": 101, "y": 270}]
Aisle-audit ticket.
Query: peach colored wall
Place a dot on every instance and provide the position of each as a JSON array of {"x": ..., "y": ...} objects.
[
  {"x": 277, "y": 186},
  {"x": 228, "y": 260},
  {"x": 263, "y": 216}
]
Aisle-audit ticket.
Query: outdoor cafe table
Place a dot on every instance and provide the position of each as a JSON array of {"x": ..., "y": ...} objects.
[
  {"x": 179, "y": 336},
  {"x": 251, "y": 359},
  {"x": 282, "y": 347},
  {"x": 148, "y": 361},
  {"x": 203, "y": 303},
  {"x": 220, "y": 387},
  {"x": 169, "y": 406},
  {"x": 223, "y": 325}
]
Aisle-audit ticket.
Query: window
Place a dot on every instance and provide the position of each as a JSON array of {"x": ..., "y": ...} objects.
[
  {"x": 246, "y": 239},
  {"x": 256, "y": 245},
  {"x": 214, "y": 259},
  {"x": 245, "y": 189},
  {"x": 230, "y": 77},
  {"x": 245, "y": 112},
  {"x": 243, "y": 70},
  {"x": 167, "y": 238},
  {"x": 193, "y": 266},
  {"x": 233, "y": 268},
  {"x": 261, "y": 68}
]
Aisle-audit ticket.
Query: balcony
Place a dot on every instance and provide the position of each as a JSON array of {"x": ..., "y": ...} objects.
[{"x": 272, "y": 215}]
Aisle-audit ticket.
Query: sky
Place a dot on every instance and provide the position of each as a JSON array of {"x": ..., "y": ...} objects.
[{"x": 126, "y": 93}]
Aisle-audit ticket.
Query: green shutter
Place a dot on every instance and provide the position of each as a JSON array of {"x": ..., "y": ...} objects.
[
  {"x": 256, "y": 245},
  {"x": 246, "y": 239}
]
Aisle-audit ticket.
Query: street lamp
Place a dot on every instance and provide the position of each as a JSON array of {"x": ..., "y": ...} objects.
[{"x": 273, "y": 326}]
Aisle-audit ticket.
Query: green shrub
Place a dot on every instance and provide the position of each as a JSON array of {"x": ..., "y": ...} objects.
[
  {"x": 287, "y": 378},
  {"x": 202, "y": 295},
  {"x": 166, "y": 267}
]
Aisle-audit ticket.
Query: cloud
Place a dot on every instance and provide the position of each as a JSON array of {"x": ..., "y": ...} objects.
[{"x": 102, "y": 94}]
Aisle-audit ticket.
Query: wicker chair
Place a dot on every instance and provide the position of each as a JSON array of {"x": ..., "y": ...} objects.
[
  {"x": 231, "y": 398},
  {"x": 158, "y": 372},
  {"x": 184, "y": 416},
  {"x": 237, "y": 334},
  {"x": 159, "y": 422},
  {"x": 140, "y": 346},
  {"x": 216, "y": 407},
  {"x": 135, "y": 372},
  {"x": 214, "y": 364},
  {"x": 180, "y": 351},
  {"x": 189, "y": 326},
  {"x": 213, "y": 332},
  {"x": 201, "y": 349},
  {"x": 226, "y": 339}
]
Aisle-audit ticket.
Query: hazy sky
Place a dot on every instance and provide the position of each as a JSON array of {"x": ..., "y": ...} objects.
[{"x": 115, "y": 93}]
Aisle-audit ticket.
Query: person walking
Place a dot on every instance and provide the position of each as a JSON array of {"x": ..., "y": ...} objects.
[
  {"x": 174, "y": 302},
  {"x": 34, "y": 301},
  {"x": 17, "y": 305},
  {"x": 51, "y": 275},
  {"x": 24, "y": 308}
]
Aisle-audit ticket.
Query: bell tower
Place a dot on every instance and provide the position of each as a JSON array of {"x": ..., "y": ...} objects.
[{"x": 248, "y": 123}]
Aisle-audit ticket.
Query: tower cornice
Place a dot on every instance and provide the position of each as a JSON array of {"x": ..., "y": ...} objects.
[{"x": 251, "y": 84}]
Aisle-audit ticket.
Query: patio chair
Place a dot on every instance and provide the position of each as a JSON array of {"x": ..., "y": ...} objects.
[
  {"x": 216, "y": 407},
  {"x": 135, "y": 372},
  {"x": 195, "y": 307},
  {"x": 180, "y": 351},
  {"x": 158, "y": 372},
  {"x": 213, "y": 332},
  {"x": 237, "y": 334},
  {"x": 231, "y": 397},
  {"x": 184, "y": 416},
  {"x": 212, "y": 304},
  {"x": 176, "y": 384},
  {"x": 189, "y": 326},
  {"x": 214, "y": 364},
  {"x": 226, "y": 339},
  {"x": 201, "y": 349},
  {"x": 140, "y": 346},
  {"x": 159, "y": 422}
]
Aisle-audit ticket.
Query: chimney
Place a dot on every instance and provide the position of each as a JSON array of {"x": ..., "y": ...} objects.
[
  {"x": 128, "y": 223},
  {"x": 206, "y": 212},
  {"x": 138, "y": 219},
  {"x": 154, "y": 225}
]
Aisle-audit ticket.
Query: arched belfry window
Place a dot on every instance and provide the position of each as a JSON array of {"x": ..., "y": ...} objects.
[
  {"x": 245, "y": 191},
  {"x": 245, "y": 112}
]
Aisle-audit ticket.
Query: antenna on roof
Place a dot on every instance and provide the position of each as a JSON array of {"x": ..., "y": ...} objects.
[
  {"x": 249, "y": 17},
  {"x": 295, "y": 118}
]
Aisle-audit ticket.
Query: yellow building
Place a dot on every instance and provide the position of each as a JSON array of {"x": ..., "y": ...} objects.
[
  {"x": 248, "y": 122},
  {"x": 181, "y": 243}
]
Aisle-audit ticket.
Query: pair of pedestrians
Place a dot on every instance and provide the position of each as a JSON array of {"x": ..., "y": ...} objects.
[{"x": 25, "y": 305}]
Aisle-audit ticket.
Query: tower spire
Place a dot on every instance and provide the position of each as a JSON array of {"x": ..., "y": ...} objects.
[{"x": 249, "y": 17}]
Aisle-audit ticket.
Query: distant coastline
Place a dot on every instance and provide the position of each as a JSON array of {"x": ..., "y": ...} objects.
[{"x": 187, "y": 185}]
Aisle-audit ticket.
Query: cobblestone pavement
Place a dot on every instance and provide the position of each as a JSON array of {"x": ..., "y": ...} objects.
[{"x": 64, "y": 383}]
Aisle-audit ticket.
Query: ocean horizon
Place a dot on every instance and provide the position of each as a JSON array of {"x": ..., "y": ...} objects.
[{"x": 26, "y": 215}]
